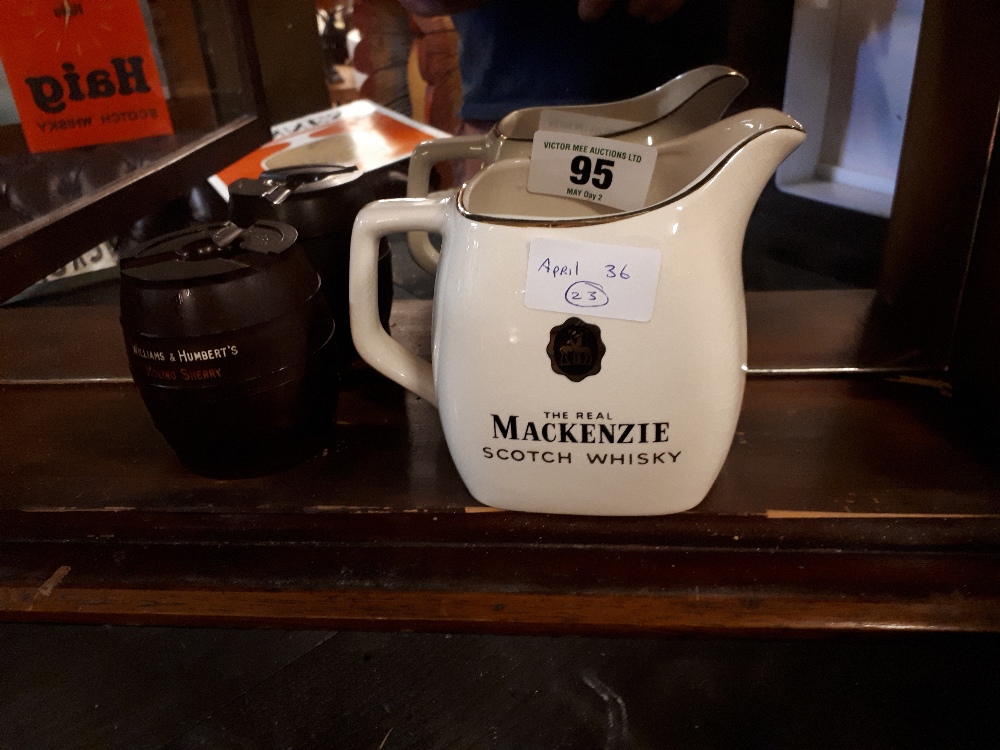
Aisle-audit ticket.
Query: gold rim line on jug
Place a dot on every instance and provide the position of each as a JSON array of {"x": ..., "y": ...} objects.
[
  {"x": 495, "y": 131},
  {"x": 606, "y": 218}
]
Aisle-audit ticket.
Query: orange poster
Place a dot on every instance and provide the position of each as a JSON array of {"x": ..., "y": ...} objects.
[{"x": 81, "y": 72}]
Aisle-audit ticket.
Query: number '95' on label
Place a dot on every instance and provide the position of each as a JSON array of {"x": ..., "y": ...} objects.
[
  {"x": 601, "y": 170},
  {"x": 596, "y": 280}
]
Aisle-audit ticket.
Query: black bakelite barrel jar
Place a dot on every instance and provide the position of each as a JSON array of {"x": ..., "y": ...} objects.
[
  {"x": 321, "y": 201},
  {"x": 229, "y": 341}
]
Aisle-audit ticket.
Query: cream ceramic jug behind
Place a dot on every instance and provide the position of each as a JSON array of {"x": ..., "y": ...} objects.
[
  {"x": 577, "y": 413},
  {"x": 680, "y": 106}
]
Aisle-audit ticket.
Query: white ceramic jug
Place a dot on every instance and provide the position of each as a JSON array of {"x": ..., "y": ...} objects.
[
  {"x": 583, "y": 406},
  {"x": 680, "y": 106}
]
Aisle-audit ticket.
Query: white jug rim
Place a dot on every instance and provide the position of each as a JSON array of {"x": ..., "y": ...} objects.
[
  {"x": 505, "y": 129},
  {"x": 578, "y": 221}
]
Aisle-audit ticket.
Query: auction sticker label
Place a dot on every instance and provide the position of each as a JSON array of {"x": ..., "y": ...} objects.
[
  {"x": 605, "y": 281},
  {"x": 601, "y": 170}
]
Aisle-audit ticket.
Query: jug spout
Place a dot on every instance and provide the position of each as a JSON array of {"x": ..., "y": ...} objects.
[
  {"x": 750, "y": 146},
  {"x": 752, "y": 143},
  {"x": 765, "y": 150}
]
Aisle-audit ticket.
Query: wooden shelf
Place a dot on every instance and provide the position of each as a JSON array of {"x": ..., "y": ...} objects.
[{"x": 846, "y": 504}]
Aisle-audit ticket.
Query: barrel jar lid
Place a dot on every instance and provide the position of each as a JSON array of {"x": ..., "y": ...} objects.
[
  {"x": 314, "y": 198},
  {"x": 206, "y": 251},
  {"x": 215, "y": 277}
]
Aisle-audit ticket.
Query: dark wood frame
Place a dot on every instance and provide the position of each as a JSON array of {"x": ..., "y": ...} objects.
[
  {"x": 947, "y": 149},
  {"x": 919, "y": 316},
  {"x": 31, "y": 251}
]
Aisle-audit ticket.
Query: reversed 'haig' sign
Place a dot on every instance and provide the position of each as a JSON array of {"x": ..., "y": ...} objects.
[{"x": 81, "y": 72}]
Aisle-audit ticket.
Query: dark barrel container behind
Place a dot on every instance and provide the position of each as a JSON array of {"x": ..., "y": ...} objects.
[
  {"x": 321, "y": 201},
  {"x": 229, "y": 341}
]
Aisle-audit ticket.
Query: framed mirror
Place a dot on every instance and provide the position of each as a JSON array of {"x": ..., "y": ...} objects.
[{"x": 57, "y": 204}]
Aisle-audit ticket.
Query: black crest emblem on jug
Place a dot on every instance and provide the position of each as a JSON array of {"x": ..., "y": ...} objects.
[{"x": 576, "y": 349}]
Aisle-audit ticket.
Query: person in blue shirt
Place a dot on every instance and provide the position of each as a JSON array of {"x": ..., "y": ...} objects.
[{"x": 523, "y": 53}]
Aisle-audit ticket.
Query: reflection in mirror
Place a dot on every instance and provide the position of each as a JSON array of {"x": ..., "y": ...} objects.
[
  {"x": 101, "y": 142},
  {"x": 842, "y": 67},
  {"x": 824, "y": 233},
  {"x": 823, "y": 223}
]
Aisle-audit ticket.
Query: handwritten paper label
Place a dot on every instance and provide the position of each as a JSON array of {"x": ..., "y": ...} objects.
[
  {"x": 605, "y": 281},
  {"x": 81, "y": 72},
  {"x": 601, "y": 170}
]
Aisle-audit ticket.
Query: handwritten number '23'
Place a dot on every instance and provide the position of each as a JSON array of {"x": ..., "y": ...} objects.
[{"x": 581, "y": 168}]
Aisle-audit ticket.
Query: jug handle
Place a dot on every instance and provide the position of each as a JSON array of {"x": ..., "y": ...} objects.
[
  {"x": 376, "y": 346},
  {"x": 418, "y": 183}
]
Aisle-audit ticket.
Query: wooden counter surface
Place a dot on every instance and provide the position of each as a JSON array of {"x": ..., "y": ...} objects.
[{"x": 846, "y": 504}]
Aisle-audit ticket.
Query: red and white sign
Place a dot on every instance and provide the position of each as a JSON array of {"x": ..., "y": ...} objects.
[{"x": 81, "y": 72}]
